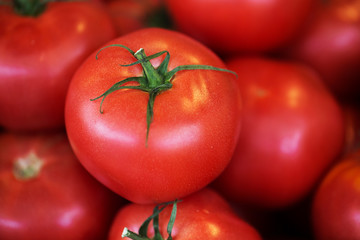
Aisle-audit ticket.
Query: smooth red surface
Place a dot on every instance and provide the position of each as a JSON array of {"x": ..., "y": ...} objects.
[
  {"x": 292, "y": 130},
  {"x": 331, "y": 45},
  {"x": 232, "y": 26},
  {"x": 131, "y": 15},
  {"x": 203, "y": 215},
  {"x": 62, "y": 202},
  {"x": 336, "y": 206},
  {"x": 38, "y": 57},
  {"x": 193, "y": 133}
]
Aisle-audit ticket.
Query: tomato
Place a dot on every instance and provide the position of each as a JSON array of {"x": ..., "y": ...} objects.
[
  {"x": 45, "y": 193},
  {"x": 292, "y": 130},
  {"x": 38, "y": 57},
  {"x": 195, "y": 125},
  {"x": 131, "y": 15},
  {"x": 331, "y": 45},
  {"x": 336, "y": 205},
  {"x": 234, "y": 26},
  {"x": 202, "y": 215}
]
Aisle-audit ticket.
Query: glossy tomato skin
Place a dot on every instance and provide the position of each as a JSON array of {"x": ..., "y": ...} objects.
[
  {"x": 331, "y": 45},
  {"x": 39, "y": 55},
  {"x": 202, "y": 215},
  {"x": 234, "y": 26},
  {"x": 62, "y": 202},
  {"x": 193, "y": 134},
  {"x": 336, "y": 205},
  {"x": 292, "y": 130}
]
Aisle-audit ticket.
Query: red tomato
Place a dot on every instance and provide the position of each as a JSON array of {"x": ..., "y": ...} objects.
[
  {"x": 292, "y": 130},
  {"x": 234, "y": 26},
  {"x": 203, "y": 215},
  {"x": 131, "y": 15},
  {"x": 38, "y": 57},
  {"x": 331, "y": 45},
  {"x": 336, "y": 206},
  {"x": 195, "y": 124},
  {"x": 47, "y": 194}
]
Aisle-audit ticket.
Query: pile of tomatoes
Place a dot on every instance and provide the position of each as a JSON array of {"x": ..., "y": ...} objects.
[{"x": 180, "y": 119}]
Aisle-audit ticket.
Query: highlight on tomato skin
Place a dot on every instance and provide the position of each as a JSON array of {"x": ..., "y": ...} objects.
[
  {"x": 336, "y": 204},
  {"x": 202, "y": 215},
  {"x": 330, "y": 44},
  {"x": 235, "y": 27},
  {"x": 39, "y": 55},
  {"x": 195, "y": 116},
  {"x": 45, "y": 193},
  {"x": 240, "y": 122},
  {"x": 292, "y": 131}
]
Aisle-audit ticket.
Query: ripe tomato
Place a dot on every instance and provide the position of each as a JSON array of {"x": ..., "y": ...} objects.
[
  {"x": 45, "y": 193},
  {"x": 38, "y": 57},
  {"x": 131, "y": 15},
  {"x": 195, "y": 123},
  {"x": 331, "y": 45},
  {"x": 234, "y": 26},
  {"x": 202, "y": 215},
  {"x": 292, "y": 130},
  {"x": 336, "y": 206}
]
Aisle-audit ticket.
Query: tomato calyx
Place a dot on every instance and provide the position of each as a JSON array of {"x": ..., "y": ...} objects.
[
  {"x": 142, "y": 235},
  {"x": 29, "y": 8},
  {"x": 27, "y": 167},
  {"x": 154, "y": 80}
]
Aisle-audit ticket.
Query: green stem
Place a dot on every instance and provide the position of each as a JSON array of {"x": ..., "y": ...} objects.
[
  {"x": 142, "y": 235},
  {"x": 30, "y": 8},
  {"x": 132, "y": 235},
  {"x": 172, "y": 220},
  {"x": 27, "y": 167},
  {"x": 153, "y": 77},
  {"x": 154, "y": 81}
]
